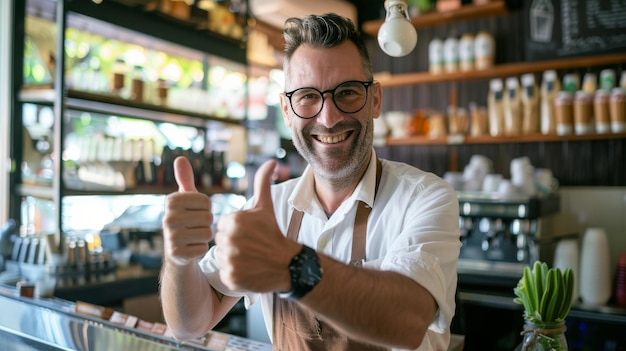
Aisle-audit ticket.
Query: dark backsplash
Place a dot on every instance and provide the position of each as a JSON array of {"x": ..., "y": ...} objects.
[{"x": 573, "y": 163}]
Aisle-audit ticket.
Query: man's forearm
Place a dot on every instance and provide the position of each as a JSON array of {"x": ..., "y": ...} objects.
[
  {"x": 377, "y": 306},
  {"x": 185, "y": 299}
]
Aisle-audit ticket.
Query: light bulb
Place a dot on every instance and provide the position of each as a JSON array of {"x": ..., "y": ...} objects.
[{"x": 397, "y": 36}]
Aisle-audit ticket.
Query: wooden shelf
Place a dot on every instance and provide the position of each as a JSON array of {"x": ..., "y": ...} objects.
[
  {"x": 462, "y": 139},
  {"x": 499, "y": 71},
  {"x": 467, "y": 12}
]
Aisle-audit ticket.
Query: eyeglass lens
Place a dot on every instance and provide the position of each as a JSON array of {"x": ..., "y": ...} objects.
[{"x": 349, "y": 97}]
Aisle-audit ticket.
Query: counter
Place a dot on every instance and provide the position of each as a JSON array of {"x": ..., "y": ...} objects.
[
  {"x": 488, "y": 296},
  {"x": 53, "y": 324}
]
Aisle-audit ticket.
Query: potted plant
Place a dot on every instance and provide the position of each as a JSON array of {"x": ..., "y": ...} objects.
[{"x": 546, "y": 294}]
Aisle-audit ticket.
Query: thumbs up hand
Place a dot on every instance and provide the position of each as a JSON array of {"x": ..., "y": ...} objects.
[
  {"x": 187, "y": 219},
  {"x": 252, "y": 251}
]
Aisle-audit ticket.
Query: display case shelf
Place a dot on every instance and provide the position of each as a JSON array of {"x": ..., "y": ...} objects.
[
  {"x": 110, "y": 104},
  {"x": 146, "y": 190},
  {"x": 35, "y": 190}
]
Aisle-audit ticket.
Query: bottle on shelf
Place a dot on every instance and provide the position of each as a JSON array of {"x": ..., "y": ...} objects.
[
  {"x": 512, "y": 105},
  {"x": 495, "y": 107},
  {"x": 530, "y": 104},
  {"x": 550, "y": 87},
  {"x": 590, "y": 84}
]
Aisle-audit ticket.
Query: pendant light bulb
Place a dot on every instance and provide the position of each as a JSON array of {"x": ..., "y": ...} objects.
[{"x": 397, "y": 36}]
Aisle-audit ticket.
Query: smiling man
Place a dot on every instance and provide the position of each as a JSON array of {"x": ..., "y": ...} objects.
[{"x": 358, "y": 253}]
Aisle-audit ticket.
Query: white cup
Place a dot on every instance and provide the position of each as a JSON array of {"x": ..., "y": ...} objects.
[
  {"x": 506, "y": 187},
  {"x": 492, "y": 182},
  {"x": 455, "y": 179}
]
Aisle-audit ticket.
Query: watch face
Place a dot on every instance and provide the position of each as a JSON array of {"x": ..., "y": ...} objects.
[{"x": 310, "y": 273}]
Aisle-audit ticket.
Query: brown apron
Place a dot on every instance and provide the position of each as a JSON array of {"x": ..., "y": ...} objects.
[{"x": 296, "y": 328}]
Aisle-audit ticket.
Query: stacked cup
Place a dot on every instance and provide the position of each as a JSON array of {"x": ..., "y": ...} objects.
[
  {"x": 523, "y": 175},
  {"x": 474, "y": 173}
]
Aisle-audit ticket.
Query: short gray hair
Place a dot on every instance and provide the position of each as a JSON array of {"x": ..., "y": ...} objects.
[{"x": 323, "y": 31}]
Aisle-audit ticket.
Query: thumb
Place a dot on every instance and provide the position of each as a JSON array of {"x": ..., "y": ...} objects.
[
  {"x": 184, "y": 175},
  {"x": 262, "y": 182}
]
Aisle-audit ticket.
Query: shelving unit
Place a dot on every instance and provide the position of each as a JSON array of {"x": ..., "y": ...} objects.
[
  {"x": 470, "y": 12},
  {"x": 466, "y": 12},
  {"x": 170, "y": 36}
]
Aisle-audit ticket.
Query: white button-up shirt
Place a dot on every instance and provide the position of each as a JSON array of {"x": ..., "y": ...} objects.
[{"x": 413, "y": 229}]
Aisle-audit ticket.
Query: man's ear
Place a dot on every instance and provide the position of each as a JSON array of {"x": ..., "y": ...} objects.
[
  {"x": 377, "y": 99},
  {"x": 284, "y": 107}
]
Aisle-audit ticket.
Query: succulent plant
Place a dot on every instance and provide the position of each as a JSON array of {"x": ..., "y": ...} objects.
[{"x": 546, "y": 293}]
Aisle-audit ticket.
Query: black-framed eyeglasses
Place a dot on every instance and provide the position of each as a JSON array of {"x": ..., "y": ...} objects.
[{"x": 349, "y": 97}]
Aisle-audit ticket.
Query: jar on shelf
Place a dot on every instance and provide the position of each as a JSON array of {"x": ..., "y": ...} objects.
[
  {"x": 161, "y": 91},
  {"x": 607, "y": 79},
  {"x": 137, "y": 84},
  {"x": 617, "y": 107},
  {"x": 544, "y": 336},
  {"x": 451, "y": 54},
  {"x": 601, "y": 114},
  {"x": 583, "y": 113},
  {"x": 484, "y": 50},
  {"x": 119, "y": 69},
  {"x": 563, "y": 111},
  {"x": 466, "y": 52},
  {"x": 435, "y": 56}
]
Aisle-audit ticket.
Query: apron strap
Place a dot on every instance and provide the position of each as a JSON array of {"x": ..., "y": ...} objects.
[{"x": 359, "y": 234}]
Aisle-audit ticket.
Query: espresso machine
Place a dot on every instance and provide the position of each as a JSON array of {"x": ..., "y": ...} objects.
[{"x": 503, "y": 234}]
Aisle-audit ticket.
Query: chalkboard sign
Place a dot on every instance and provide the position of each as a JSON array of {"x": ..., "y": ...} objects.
[{"x": 563, "y": 28}]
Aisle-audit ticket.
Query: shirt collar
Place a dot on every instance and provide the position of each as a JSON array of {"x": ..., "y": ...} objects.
[{"x": 304, "y": 199}]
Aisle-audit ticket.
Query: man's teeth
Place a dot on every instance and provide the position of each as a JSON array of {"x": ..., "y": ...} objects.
[{"x": 333, "y": 139}]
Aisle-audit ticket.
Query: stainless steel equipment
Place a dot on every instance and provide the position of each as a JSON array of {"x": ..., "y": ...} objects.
[
  {"x": 53, "y": 324},
  {"x": 502, "y": 234}
]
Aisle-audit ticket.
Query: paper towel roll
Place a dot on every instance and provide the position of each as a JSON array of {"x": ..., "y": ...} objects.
[
  {"x": 566, "y": 255},
  {"x": 595, "y": 269}
]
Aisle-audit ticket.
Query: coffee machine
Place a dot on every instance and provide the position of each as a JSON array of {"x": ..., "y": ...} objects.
[{"x": 501, "y": 234}]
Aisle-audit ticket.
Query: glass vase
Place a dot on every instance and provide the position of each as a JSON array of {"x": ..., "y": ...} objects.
[{"x": 544, "y": 337}]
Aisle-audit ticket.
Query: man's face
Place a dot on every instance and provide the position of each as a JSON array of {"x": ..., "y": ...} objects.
[{"x": 334, "y": 143}]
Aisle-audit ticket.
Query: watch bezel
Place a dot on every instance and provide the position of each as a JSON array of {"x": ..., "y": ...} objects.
[{"x": 302, "y": 282}]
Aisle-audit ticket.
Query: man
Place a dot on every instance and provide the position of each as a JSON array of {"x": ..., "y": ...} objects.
[{"x": 356, "y": 254}]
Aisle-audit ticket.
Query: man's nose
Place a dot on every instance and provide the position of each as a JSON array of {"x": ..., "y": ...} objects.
[{"x": 329, "y": 114}]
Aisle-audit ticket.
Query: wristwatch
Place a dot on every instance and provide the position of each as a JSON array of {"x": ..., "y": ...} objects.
[{"x": 305, "y": 272}]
